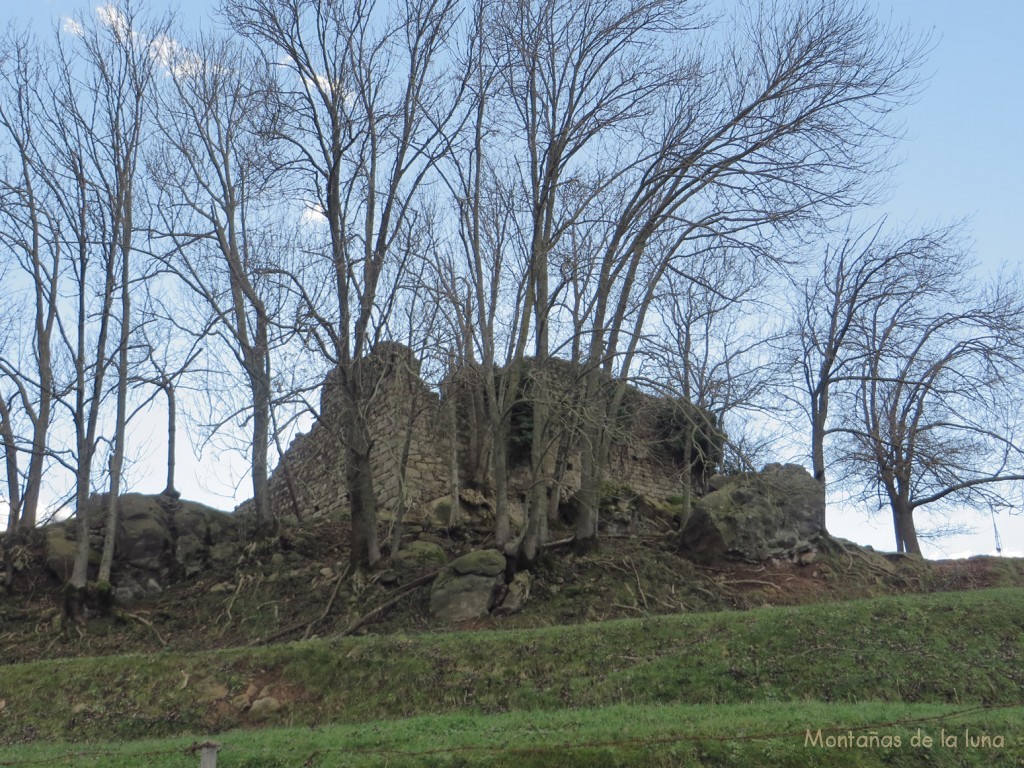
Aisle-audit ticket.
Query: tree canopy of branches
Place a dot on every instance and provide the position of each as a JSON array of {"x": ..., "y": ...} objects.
[
  {"x": 602, "y": 160},
  {"x": 921, "y": 363},
  {"x": 512, "y": 188},
  {"x": 217, "y": 183},
  {"x": 364, "y": 102}
]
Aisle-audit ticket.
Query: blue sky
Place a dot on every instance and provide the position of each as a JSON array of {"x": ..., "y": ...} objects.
[
  {"x": 962, "y": 159},
  {"x": 962, "y": 153}
]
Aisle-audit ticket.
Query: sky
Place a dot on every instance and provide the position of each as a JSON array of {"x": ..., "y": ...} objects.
[{"x": 961, "y": 159}]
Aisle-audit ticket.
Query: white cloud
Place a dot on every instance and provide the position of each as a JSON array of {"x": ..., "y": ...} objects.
[
  {"x": 72, "y": 27},
  {"x": 163, "y": 49},
  {"x": 174, "y": 59},
  {"x": 319, "y": 82},
  {"x": 966, "y": 554},
  {"x": 110, "y": 16},
  {"x": 312, "y": 213}
]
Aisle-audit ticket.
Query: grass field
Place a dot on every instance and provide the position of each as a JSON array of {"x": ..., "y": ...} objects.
[
  {"x": 739, "y": 688},
  {"x": 790, "y": 734}
]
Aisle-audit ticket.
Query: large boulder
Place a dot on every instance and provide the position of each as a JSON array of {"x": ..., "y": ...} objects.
[
  {"x": 517, "y": 594},
  {"x": 468, "y": 588},
  {"x": 144, "y": 538},
  {"x": 60, "y": 551},
  {"x": 198, "y": 531},
  {"x": 155, "y": 536},
  {"x": 419, "y": 553},
  {"x": 754, "y": 516}
]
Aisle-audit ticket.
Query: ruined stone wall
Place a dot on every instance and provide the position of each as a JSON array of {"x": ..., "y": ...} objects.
[
  {"x": 315, "y": 461},
  {"x": 645, "y": 472}
]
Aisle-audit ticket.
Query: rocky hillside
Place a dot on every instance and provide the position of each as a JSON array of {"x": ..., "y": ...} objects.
[{"x": 187, "y": 577}]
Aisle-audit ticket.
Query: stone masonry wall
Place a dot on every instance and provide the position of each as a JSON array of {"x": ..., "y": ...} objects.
[{"x": 314, "y": 461}]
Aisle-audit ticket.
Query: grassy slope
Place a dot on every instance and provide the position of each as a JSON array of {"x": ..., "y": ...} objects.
[{"x": 958, "y": 650}]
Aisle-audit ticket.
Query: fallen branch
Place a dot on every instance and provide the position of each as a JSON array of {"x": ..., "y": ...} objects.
[
  {"x": 753, "y": 581},
  {"x": 330, "y": 603},
  {"x": 278, "y": 635},
  {"x": 412, "y": 585},
  {"x": 674, "y": 608},
  {"x": 226, "y": 614},
  {"x": 559, "y": 543},
  {"x": 706, "y": 592},
  {"x": 640, "y": 589},
  {"x": 626, "y": 607},
  {"x": 144, "y": 622}
]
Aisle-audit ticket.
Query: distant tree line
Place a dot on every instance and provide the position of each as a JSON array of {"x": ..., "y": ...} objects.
[{"x": 656, "y": 194}]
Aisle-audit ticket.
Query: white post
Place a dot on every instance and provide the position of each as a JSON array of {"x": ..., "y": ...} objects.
[{"x": 208, "y": 757}]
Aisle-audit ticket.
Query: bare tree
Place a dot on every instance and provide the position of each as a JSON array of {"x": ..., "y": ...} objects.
[
  {"x": 867, "y": 270},
  {"x": 166, "y": 362},
  {"x": 597, "y": 161},
  {"x": 30, "y": 236},
  {"x": 92, "y": 89},
  {"x": 365, "y": 99},
  {"x": 786, "y": 131},
  {"x": 710, "y": 352},
  {"x": 935, "y": 422},
  {"x": 552, "y": 85},
  {"x": 479, "y": 280},
  {"x": 218, "y": 184},
  {"x": 70, "y": 116},
  {"x": 120, "y": 83}
]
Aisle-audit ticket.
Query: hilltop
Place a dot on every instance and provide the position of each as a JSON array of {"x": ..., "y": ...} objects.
[{"x": 234, "y": 592}]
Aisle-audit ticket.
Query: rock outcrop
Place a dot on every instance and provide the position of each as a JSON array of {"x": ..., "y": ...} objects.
[
  {"x": 157, "y": 536},
  {"x": 468, "y": 587},
  {"x": 755, "y": 516}
]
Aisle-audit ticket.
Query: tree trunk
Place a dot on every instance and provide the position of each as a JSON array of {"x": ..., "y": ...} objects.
[
  {"x": 121, "y": 418},
  {"x": 172, "y": 429},
  {"x": 589, "y": 494},
  {"x": 533, "y": 537},
  {"x": 34, "y": 481},
  {"x": 818, "y": 441},
  {"x": 110, "y": 528},
  {"x": 499, "y": 410},
  {"x": 454, "y": 518},
  {"x": 359, "y": 481},
  {"x": 499, "y": 461},
  {"x": 593, "y": 458},
  {"x": 10, "y": 445},
  {"x": 13, "y": 492},
  {"x": 687, "y": 489},
  {"x": 401, "y": 503},
  {"x": 819, "y": 413},
  {"x": 911, "y": 544},
  {"x": 897, "y": 530},
  {"x": 80, "y": 572},
  {"x": 260, "y": 443}
]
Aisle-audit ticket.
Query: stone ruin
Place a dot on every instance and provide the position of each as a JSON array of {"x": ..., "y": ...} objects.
[
  {"x": 752, "y": 516},
  {"x": 309, "y": 480}
]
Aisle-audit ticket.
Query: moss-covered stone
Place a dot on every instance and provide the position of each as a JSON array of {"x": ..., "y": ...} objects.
[
  {"x": 60, "y": 552},
  {"x": 469, "y": 586},
  {"x": 459, "y": 598},
  {"x": 484, "y": 562},
  {"x": 423, "y": 553},
  {"x": 754, "y": 516}
]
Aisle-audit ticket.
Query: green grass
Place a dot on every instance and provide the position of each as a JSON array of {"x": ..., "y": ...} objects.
[
  {"x": 860, "y": 736},
  {"x": 954, "y": 649}
]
